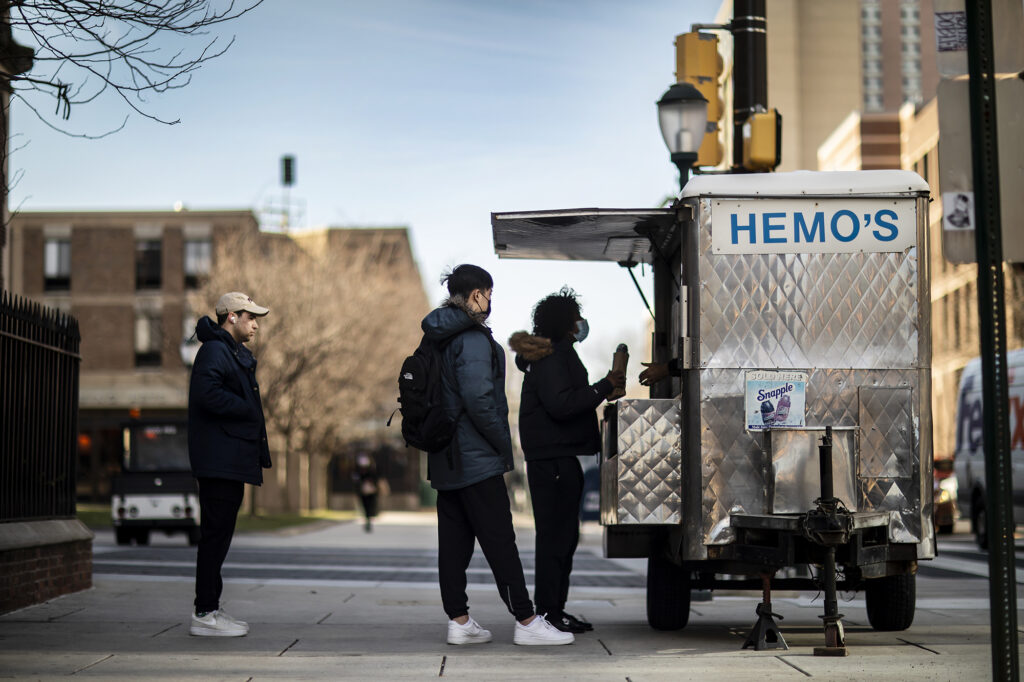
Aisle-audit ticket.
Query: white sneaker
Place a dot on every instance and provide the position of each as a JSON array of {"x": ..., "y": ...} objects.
[
  {"x": 540, "y": 633},
  {"x": 240, "y": 623},
  {"x": 470, "y": 633},
  {"x": 215, "y": 624}
]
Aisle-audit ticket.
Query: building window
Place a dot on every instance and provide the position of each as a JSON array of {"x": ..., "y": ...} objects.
[
  {"x": 147, "y": 264},
  {"x": 197, "y": 262},
  {"x": 148, "y": 339},
  {"x": 57, "y": 265}
]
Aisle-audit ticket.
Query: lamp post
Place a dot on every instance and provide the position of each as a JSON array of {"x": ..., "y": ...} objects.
[{"x": 683, "y": 117}]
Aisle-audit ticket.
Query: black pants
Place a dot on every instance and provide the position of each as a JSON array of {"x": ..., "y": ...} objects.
[
  {"x": 556, "y": 487},
  {"x": 369, "y": 505},
  {"x": 219, "y": 501},
  {"x": 479, "y": 512}
]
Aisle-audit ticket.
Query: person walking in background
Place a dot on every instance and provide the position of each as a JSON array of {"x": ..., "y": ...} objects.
[
  {"x": 367, "y": 487},
  {"x": 472, "y": 500},
  {"x": 557, "y": 422},
  {"x": 227, "y": 447}
]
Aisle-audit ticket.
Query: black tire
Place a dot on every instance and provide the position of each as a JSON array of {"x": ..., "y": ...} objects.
[
  {"x": 891, "y": 602},
  {"x": 142, "y": 536},
  {"x": 123, "y": 536},
  {"x": 668, "y": 594},
  {"x": 945, "y": 528},
  {"x": 979, "y": 524},
  {"x": 193, "y": 536}
]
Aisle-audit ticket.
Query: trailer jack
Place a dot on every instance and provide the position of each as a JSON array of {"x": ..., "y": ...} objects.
[
  {"x": 765, "y": 634},
  {"x": 829, "y": 526}
]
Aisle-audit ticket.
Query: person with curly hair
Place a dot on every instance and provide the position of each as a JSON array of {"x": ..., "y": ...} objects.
[{"x": 557, "y": 422}]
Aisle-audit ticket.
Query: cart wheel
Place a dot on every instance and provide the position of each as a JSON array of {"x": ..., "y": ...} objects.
[
  {"x": 668, "y": 594},
  {"x": 945, "y": 528},
  {"x": 142, "y": 536},
  {"x": 979, "y": 524},
  {"x": 891, "y": 601},
  {"x": 123, "y": 535},
  {"x": 193, "y": 536}
]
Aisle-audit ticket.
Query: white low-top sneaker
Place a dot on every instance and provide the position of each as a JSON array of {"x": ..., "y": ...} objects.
[
  {"x": 540, "y": 633},
  {"x": 214, "y": 624},
  {"x": 470, "y": 633},
  {"x": 226, "y": 616}
]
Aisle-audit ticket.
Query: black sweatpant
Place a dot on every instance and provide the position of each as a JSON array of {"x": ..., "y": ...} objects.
[
  {"x": 556, "y": 487},
  {"x": 219, "y": 501},
  {"x": 479, "y": 512}
]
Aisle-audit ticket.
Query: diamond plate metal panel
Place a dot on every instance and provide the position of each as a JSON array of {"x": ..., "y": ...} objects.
[
  {"x": 885, "y": 417},
  {"x": 787, "y": 311},
  {"x": 648, "y": 480}
]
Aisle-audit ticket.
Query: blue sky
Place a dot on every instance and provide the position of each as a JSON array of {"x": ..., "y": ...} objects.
[{"x": 428, "y": 114}]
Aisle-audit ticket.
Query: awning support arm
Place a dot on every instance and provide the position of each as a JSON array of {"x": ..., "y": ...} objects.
[{"x": 629, "y": 269}]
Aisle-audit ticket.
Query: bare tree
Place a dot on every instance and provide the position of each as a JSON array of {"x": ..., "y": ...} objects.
[
  {"x": 345, "y": 310},
  {"x": 84, "y": 49}
]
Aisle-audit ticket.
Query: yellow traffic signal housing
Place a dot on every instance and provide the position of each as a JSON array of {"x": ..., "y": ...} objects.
[
  {"x": 699, "y": 63},
  {"x": 762, "y": 141}
]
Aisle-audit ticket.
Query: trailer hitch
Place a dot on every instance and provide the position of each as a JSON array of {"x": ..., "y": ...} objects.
[{"x": 829, "y": 526}]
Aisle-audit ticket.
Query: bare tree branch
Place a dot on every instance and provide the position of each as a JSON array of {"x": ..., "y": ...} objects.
[{"x": 84, "y": 49}]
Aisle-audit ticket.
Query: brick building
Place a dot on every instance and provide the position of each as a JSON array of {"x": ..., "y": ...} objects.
[{"x": 128, "y": 277}]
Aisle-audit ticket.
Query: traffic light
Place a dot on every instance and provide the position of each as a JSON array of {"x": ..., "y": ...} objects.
[
  {"x": 699, "y": 63},
  {"x": 762, "y": 140}
]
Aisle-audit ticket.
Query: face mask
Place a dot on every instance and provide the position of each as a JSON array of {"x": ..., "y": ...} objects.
[
  {"x": 582, "y": 329},
  {"x": 487, "y": 311}
]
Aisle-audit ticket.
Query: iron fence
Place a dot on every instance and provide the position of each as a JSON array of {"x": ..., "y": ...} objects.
[{"x": 39, "y": 364}]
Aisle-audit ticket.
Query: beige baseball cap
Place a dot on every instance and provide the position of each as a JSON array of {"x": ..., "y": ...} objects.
[{"x": 236, "y": 301}]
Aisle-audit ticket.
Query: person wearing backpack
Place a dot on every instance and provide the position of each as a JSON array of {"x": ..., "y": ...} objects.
[
  {"x": 468, "y": 472},
  {"x": 557, "y": 424}
]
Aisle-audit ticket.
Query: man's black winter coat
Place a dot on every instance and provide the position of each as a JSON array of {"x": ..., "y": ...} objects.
[
  {"x": 227, "y": 435},
  {"x": 557, "y": 409}
]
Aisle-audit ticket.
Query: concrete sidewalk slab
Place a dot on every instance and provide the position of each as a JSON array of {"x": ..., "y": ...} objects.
[{"x": 137, "y": 629}]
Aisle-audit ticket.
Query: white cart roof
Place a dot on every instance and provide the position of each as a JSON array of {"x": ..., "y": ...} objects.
[{"x": 806, "y": 183}]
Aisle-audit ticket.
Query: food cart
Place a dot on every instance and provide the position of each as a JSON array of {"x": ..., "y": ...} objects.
[{"x": 794, "y": 451}]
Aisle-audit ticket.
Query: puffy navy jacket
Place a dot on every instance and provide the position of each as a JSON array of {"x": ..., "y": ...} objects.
[
  {"x": 227, "y": 434},
  {"x": 473, "y": 392},
  {"x": 557, "y": 410}
]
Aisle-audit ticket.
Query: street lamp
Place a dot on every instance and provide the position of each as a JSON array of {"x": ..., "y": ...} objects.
[{"x": 683, "y": 117}]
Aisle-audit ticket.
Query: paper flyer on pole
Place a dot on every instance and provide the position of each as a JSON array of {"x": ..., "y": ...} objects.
[{"x": 774, "y": 399}]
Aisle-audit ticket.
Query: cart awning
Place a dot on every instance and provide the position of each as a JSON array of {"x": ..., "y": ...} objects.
[{"x": 620, "y": 235}]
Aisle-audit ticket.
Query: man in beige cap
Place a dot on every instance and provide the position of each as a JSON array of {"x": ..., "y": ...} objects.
[{"x": 227, "y": 445}]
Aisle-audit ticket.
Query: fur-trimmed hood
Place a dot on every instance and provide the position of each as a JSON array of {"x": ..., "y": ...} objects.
[{"x": 529, "y": 348}]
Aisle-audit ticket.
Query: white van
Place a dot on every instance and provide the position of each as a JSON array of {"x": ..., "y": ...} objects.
[{"x": 969, "y": 457}]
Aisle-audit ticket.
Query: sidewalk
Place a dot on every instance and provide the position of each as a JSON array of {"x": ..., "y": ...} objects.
[{"x": 137, "y": 629}]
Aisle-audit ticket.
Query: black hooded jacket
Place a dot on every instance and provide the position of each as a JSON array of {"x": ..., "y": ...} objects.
[
  {"x": 557, "y": 409},
  {"x": 227, "y": 435}
]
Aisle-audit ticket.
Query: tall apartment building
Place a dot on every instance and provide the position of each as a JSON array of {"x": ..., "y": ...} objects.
[
  {"x": 128, "y": 277},
  {"x": 828, "y": 59}
]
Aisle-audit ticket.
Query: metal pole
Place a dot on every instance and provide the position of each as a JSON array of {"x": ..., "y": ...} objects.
[
  {"x": 749, "y": 68},
  {"x": 992, "y": 323}
]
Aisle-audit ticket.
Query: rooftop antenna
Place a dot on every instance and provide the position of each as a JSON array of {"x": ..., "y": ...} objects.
[
  {"x": 286, "y": 214},
  {"x": 287, "y": 180}
]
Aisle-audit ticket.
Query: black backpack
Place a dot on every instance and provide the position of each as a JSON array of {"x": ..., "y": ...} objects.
[{"x": 425, "y": 424}]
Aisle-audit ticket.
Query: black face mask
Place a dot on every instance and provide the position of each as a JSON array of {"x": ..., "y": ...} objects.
[{"x": 487, "y": 312}]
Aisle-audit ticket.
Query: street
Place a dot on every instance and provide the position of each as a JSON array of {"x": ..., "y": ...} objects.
[{"x": 333, "y": 602}]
